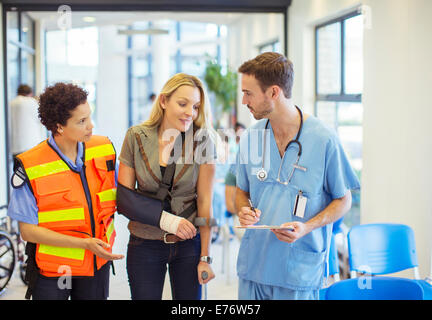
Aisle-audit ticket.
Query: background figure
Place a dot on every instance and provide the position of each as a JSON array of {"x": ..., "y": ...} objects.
[
  {"x": 230, "y": 180},
  {"x": 27, "y": 131},
  {"x": 145, "y": 112}
]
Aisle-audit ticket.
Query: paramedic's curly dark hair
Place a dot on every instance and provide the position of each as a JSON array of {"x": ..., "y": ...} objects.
[{"x": 57, "y": 102}]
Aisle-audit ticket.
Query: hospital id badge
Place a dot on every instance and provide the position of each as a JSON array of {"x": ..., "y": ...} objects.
[{"x": 300, "y": 205}]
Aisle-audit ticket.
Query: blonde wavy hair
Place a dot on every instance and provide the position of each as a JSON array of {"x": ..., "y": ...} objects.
[{"x": 176, "y": 81}]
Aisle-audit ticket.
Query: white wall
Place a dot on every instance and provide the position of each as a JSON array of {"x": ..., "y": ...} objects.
[
  {"x": 397, "y": 152},
  {"x": 112, "y": 97}
]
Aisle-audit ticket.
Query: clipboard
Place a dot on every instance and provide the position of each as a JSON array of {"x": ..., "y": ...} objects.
[{"x": 264, "y": 227}]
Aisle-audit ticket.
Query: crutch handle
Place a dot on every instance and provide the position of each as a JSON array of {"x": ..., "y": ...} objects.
[{"x": 204, "y": 275}]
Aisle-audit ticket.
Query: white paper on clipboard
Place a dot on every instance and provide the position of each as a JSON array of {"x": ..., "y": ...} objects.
[{"x": 264, "y": 227}]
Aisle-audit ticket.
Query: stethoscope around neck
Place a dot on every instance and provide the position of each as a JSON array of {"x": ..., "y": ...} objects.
[{"x": 262, "y": 173}]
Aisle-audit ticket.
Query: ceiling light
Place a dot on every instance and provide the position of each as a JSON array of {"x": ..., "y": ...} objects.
[
  {"x": 89, "y": 19},
  {"x": 130, "y": 32}
]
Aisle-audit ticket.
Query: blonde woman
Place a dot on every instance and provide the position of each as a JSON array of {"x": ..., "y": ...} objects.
[{"x": 180, "y": 113}]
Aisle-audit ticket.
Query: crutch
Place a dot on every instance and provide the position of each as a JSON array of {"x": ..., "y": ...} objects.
[{"x": 204, "y": 275}]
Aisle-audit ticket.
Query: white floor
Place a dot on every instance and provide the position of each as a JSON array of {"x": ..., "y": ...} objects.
[{"x": 223, "y": 287}]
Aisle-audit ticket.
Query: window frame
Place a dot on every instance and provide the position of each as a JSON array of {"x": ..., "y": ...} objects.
[
  {"x": 342, "y": 96},
  {"x": 271, "y": 43}
]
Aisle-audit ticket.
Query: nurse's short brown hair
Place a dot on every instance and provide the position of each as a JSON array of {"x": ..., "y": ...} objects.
[{"x": 271, "y": 68}]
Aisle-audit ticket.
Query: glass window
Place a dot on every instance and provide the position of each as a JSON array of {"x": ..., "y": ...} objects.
[
  {"x": 329, "y": 59},
  {"x": 20, "y": 68},
  {"x": 271, "y": 47},
  {"x": 326, "y": 112},
  {"x": 140, "y": 67},
  {"x": 72, "y": 56},
  {"x": 56, "y": 47},
  {"x": 353, "y": 41},
  {"x": 27, "y": 69},
  {"x": 140, "y": 41},
  {"x": 82, "y": 47},
  {"x": 140, "y": 74},
  {"x": 339, "y": 88},
  {"x": 12, "y": 26},
  {"x": 20, "y": 52},
  {"x": 191, "y": 45},
  {"x": 197, "y": 31},
  {"x": 27, "y": 30},
  {"x": 13, "y": 70}
]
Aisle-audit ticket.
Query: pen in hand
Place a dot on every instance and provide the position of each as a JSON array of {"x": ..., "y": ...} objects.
[{"x": 252, "y": 207}]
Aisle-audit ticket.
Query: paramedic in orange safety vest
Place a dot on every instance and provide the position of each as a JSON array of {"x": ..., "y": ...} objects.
[{"x": 64, "y": 198}]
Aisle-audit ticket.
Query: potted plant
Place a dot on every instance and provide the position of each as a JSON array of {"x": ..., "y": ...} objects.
[{"x": 224, "y": 88}]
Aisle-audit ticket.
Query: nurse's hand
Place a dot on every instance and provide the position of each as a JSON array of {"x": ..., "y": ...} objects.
[
  {"x": 300, "y": 230},
  {"x": 248, "y": 216}
]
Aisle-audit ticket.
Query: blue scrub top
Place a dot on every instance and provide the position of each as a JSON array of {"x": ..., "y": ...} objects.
[
  {"x": 262, "y": 257},
  {"x": 22, "y": 205}
]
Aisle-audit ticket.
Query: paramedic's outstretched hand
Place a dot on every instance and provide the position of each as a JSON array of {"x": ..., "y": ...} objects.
[
  {"x": 300, "y": 230},
  {"x": 97, "y": 246},
  {"x": 249, "y": 217}
]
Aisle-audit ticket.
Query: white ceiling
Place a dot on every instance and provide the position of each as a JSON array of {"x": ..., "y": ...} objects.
[{"x": 102, "y": 18}]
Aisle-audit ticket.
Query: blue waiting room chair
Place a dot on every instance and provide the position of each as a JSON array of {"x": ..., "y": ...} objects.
[
  {"x": 380, "y": 249},
  {"x": 375, "y": 288}
]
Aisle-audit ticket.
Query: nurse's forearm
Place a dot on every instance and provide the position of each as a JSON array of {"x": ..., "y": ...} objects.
[
  {"x": 230, "y": 192},
  {"x": 241, "y": 199},
  {"x": 334, "y": 211}
]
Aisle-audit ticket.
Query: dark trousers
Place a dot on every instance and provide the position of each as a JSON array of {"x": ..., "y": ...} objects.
[
  {"x": 82, "y": 288},
  {"x": 147, "y": 262}
]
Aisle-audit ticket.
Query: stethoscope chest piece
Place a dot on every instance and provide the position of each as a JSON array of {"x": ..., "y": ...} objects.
[{"x": 261, "y": 174}]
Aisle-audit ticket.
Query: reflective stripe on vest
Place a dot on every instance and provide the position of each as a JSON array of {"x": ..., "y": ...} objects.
[
  {"x": 46, "y": 169},
  {"x": 61, "y": 215},
  {"x": 99, "y": 151},
  {"x": 108, "y": 195},
  {"x": 110, "y": 230},
  {"x": 69, "y": 253}
]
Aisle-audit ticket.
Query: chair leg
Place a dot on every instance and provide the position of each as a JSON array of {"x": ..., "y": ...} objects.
[{"x": 416, "y": 273}]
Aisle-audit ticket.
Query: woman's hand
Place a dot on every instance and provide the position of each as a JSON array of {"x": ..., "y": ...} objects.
[
  {"x": 204, "y": 266},
  {"x": 97, "y": 246},
  {"x": 185, "y": 230}
]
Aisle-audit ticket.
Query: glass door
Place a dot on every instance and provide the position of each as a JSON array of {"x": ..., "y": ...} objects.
[{"x": 20, "y": 69}]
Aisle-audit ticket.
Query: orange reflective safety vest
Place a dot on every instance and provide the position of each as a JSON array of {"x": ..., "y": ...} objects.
[{"x": 64, "y": 207}]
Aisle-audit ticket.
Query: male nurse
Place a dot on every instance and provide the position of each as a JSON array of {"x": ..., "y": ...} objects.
[{"x": 302, "y": 183}]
